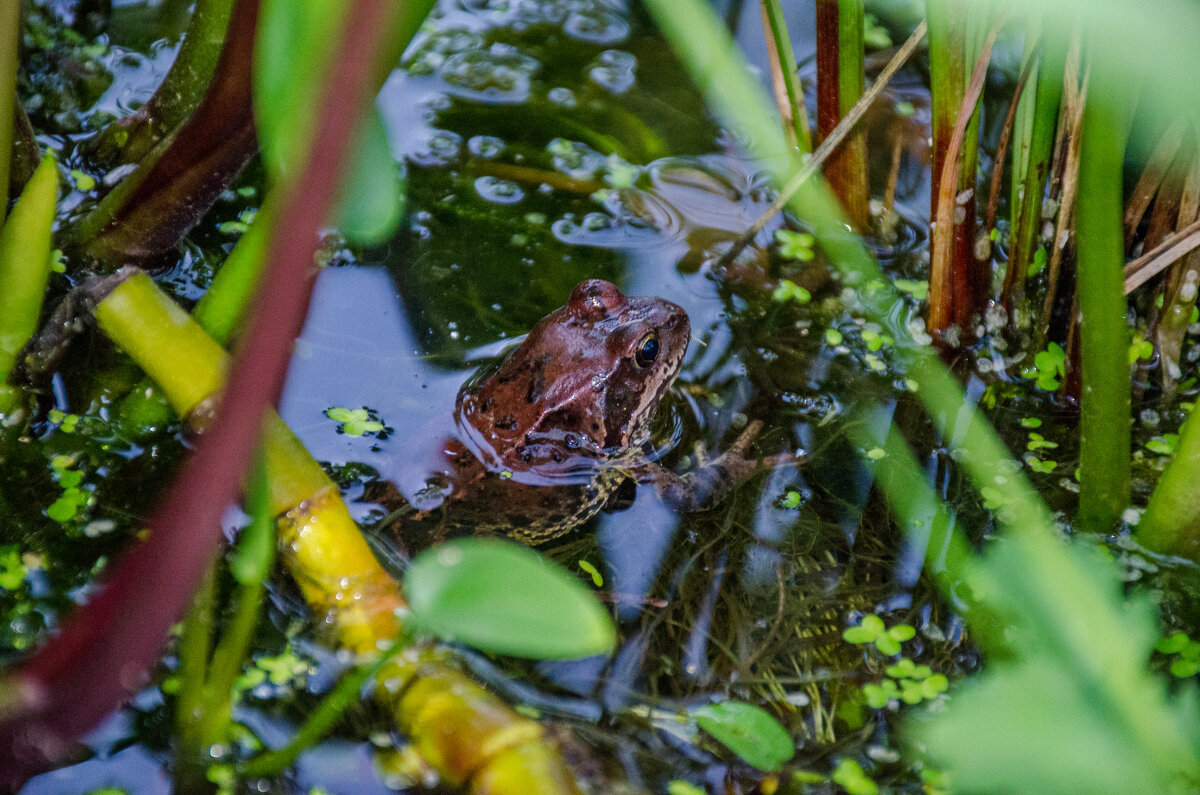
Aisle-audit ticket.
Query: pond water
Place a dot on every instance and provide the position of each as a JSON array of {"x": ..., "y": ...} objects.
[{"x": 545, "y": 143}]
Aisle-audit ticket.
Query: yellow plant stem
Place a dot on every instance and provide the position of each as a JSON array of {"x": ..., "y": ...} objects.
[{"x": 464, "y": 732}]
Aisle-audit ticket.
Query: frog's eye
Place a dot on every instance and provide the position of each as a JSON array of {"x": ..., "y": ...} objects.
[{"x": 647, "y": 350}]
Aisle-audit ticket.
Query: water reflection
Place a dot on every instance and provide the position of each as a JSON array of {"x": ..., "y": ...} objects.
[{"x": 358, "y": 350}]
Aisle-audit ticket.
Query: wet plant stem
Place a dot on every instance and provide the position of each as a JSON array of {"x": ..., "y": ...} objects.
[
  {"x": 1074, "y": 101},
  {"x": 182, "y": 175},
  {"x": 195, "y": 644},
  {"x": 213, "y": 719},
  {"x": 1104, "y": 469},
  {"x": 989, "y": 218},
  {"x": 955, "y": 285},
  {"x": 130, "y": 139},
  {"x": 840, "y": 82}
]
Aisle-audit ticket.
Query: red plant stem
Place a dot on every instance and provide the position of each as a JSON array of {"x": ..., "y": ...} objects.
[
  {"x": 104, "y": 649},
  {"x": 828, "y": 102},
  {"x": 845, "y": 169}
]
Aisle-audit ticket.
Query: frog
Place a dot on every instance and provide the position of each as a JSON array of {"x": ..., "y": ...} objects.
[{"x": 548, "y": 439}]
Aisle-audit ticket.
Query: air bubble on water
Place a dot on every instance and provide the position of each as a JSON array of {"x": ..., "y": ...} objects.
[
  {"x": 498, "y": 191},
  {"x": 596, "y": 26},
  {"x": 563, "y": 97},
  {"x": 613, "y": 71}
]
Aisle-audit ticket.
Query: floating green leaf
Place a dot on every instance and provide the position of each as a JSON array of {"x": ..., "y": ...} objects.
[
  {"x": 1164, "y": 445},
  {"x": 917, "y": 289},
  {"x": 597, "y": 577},
  {"x": 872, "y": 630},
  {"x": 354, "y": 422},
  {"x": 790, "y": 291},
  {"x": 1049, "y": 367},
  {"x": 850, "y": 776},
  {"x": 794, "y": 245},
  {"x": 748, "y": 731},
  {"x": 501, "y": 597},
  {"x": 12, "y": 570}
]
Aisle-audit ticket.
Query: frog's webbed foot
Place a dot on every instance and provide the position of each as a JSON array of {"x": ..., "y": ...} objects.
[{"x": 710, "y": 478}]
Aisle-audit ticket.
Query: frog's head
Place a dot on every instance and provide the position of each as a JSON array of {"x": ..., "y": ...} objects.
[{"x": 589, "y": 376}]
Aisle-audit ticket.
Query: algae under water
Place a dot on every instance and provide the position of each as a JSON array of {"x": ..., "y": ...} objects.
[{"x": 545, "y": 143}]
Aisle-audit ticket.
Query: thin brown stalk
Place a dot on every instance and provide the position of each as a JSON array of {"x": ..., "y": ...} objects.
[
  {"x": 942, "y": 281},
  {"x": 1164, "y": 214},
  {"x": 1074, "y": 97},
  {"x": 813, "y": 165},
  {"x": 1169, "y": 324},
  {"x": 1161, "y": 257},
  {"x": 1152, "y": 178},
  {"x": 1059, "y": 156},
  {"x": 889, "y": 193}
]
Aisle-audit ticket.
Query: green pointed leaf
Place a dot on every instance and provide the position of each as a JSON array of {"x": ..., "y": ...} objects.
[
  {"x": 372, "y": 200},
  {"x": 500, "y": 597},
  {"x": 25, "y": 267},
  {"x": 748, "y": 731},
  {"x": 291, "y": 54}
]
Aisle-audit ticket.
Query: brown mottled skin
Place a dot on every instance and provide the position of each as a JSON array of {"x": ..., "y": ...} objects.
[{"x": 545, "y": 440}]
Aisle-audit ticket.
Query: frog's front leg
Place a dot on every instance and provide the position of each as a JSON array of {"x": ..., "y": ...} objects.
[{"x": 710, "y": 479}]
